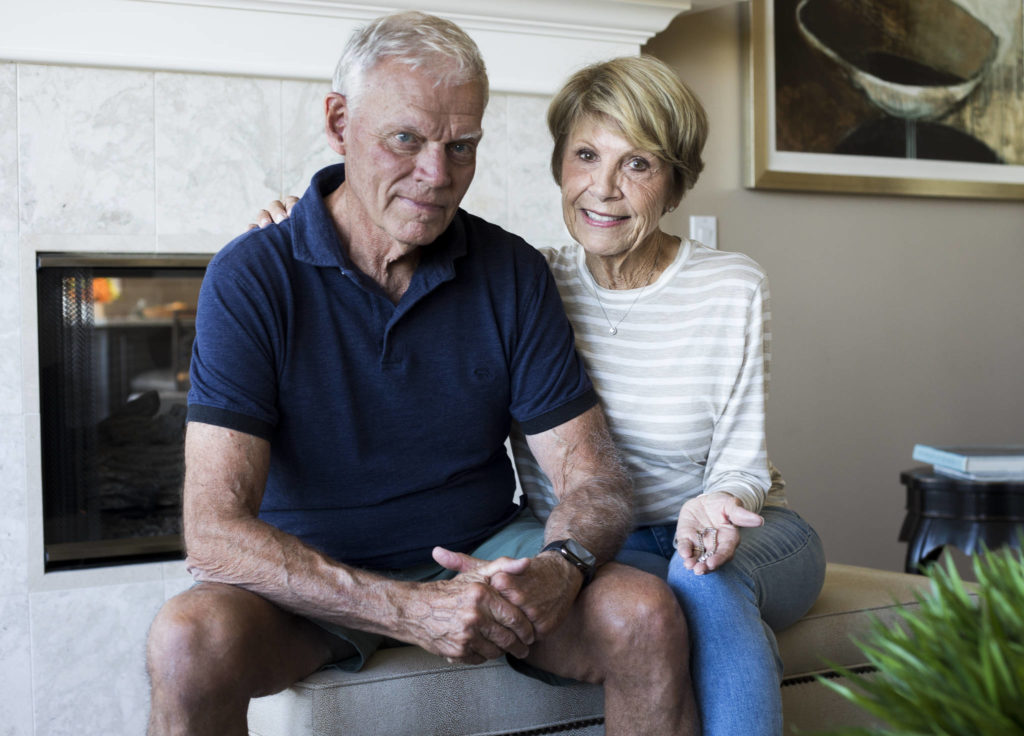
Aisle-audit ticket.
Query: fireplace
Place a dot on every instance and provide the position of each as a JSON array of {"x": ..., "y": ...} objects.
[{"x": 115, "y": 340}]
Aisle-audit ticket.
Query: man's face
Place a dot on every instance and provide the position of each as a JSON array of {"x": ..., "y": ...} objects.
[{"x": 410, "y": 154}]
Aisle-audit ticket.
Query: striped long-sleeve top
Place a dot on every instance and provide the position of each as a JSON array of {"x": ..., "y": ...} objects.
[{"x": 682, "y": 381}]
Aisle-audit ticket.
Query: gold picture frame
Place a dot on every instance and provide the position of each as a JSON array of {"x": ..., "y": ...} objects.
[{"x": 814, "y": 123}]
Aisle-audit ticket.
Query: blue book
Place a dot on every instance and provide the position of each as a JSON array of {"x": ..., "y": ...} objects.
[
  {"x": 994, "y": 476},
  {"x": 973, "y": 458}
]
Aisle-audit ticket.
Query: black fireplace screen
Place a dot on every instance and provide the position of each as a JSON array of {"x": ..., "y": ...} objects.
[{"x": 115, "y": 339}]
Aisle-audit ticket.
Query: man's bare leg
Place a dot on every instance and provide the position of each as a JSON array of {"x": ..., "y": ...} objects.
[
  {"x": 214, "y": 647},
  {"x": 627, "y": 633}
]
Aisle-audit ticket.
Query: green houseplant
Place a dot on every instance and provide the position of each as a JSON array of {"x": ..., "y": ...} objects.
[{"x": 952, "y": 666}]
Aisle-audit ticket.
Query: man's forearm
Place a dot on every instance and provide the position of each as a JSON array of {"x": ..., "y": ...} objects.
[
  {"x": 464, "y": 619},
  {"x": 226, "y": 542},
  {"x": 598, "y": 515},
  {"x": 594, "y": 508},
  {"x": 256, "y": 556},
  {"x": 595, "y": 494}
]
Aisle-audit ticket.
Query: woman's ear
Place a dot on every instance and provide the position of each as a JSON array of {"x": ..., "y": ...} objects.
[
  {"x": 675, "y": 196},
  {"x": 336, "y": 119}
]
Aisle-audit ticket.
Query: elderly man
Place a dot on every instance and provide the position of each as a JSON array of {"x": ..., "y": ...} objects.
[{"x": 355, "y": 374}]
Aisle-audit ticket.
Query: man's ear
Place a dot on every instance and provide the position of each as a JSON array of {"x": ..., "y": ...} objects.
[{"x": 336, "y": 116}]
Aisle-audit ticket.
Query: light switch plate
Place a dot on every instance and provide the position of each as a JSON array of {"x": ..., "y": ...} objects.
[{"x": 704, "y": 229}]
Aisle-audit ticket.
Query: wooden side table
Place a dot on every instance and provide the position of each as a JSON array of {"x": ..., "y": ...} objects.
[{"x": 962, "y": 513}]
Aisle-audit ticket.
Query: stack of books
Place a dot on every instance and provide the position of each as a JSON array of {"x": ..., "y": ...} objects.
[{"x": 990, "y": 463}]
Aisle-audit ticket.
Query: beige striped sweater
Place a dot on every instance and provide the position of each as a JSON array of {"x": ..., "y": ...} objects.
[{"x": 682, "y": 382}]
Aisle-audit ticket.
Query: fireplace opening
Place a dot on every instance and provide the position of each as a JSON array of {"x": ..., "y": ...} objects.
[{"x": 115, "y": 341}]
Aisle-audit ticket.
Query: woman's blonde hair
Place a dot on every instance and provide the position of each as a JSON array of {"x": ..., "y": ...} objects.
[{"x": 643, "y": 96}]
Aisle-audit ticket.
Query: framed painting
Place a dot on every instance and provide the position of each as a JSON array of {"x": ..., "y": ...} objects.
[{"x": 915, "y": 97}]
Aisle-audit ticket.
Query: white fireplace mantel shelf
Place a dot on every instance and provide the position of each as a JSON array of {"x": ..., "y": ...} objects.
[{"x": 529, "y": 45}]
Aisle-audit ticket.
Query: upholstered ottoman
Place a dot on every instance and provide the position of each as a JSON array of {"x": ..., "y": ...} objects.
[
  {"x": 850, "y": 598},
  {"x": 408, "y": 692}
]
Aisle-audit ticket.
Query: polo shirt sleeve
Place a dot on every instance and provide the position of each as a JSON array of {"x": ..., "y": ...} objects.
[
  {"x": 549, "y": 383},
  {"x": 233, "y": 370}
]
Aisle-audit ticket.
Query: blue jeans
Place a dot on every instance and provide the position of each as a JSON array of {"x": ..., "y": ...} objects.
[{"x": 772, "y": 581}]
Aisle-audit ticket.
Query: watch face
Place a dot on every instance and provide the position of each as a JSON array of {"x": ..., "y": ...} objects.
[{"x": 580, "y": 552}]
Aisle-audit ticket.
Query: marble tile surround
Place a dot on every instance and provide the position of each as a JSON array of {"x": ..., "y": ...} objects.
[
  {"x": 130, "y": 161},
  {"x": 86, "y": 164},
  {"x": 10, "y": 325},
  {"x": 8, "y": 149},
  {"x": 15, "y": 665},
  {"x": 111, "y": 694},
  {"x": 218, "y": 150},
  {"x": 13, "y": 506}
]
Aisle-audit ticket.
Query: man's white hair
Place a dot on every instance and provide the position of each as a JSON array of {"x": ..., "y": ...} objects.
[{"x": 416, "y": 39}]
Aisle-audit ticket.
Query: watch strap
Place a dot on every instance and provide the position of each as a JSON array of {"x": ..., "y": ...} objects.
[{"x": 587, "y": 569}]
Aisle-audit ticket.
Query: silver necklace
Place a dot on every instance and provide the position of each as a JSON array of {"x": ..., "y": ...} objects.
[{"x": 613, "y": 329}]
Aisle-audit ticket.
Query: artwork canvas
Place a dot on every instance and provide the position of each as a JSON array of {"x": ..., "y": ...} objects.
[{"x": 888, "y": 96}]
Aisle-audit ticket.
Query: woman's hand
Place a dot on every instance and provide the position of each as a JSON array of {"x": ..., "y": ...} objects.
[
  {"x": 276, "y": 212},
  {"x": 707, "y": 533}
]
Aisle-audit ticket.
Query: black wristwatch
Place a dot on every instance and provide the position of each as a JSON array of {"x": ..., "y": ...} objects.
[{"x": 577, "y": 555}]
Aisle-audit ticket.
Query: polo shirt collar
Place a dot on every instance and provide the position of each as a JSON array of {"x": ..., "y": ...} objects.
[{"x": 315, "y": 240}]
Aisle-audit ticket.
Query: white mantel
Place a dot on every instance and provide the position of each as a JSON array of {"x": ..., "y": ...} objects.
[{"x": 529, "y": 45}]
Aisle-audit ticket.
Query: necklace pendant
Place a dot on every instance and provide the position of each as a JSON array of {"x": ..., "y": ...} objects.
[{"x": 613, "y": 330}]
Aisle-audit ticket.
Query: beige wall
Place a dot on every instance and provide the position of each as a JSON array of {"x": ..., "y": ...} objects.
[{"x": 896, "y": 320}]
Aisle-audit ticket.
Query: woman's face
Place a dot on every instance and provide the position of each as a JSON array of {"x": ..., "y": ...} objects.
[{"x": 613, "y": 193}]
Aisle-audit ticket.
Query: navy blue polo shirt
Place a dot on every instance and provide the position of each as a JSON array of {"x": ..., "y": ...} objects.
[{"x": 386, "y": 422}]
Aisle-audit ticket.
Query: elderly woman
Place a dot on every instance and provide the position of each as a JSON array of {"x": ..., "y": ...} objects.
[{"x": 674, "y": 336}]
